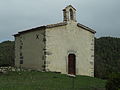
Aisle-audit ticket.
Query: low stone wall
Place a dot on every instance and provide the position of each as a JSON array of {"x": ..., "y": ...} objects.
[
  {"x": 9, "y": 68},
  {"x": 4, "y": 70}
]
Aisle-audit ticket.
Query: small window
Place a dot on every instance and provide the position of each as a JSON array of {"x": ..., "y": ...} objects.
[{"x": 21, "y": 61}]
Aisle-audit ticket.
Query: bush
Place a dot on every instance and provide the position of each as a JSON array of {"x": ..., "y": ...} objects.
[{"x": 113, "y": 82}]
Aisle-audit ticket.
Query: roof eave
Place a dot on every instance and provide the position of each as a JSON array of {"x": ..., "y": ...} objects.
[
  {"x": 56, "y": 25},
  {"x": 29, "y": 30},
  {"x": 86, "y": 28},
  {"x": 41, "y": 27}
]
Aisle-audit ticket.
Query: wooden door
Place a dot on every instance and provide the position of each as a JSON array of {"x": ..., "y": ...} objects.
[{"x": 72, "y": 64}]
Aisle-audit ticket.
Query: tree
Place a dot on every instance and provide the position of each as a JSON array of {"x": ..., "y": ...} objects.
[{"x": 7, "y": 53}]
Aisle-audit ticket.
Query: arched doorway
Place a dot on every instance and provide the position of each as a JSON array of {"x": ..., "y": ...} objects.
[{"x": 72, "y": 64}]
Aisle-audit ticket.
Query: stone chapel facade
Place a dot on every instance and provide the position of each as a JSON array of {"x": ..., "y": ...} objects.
[{"x": 66, "y": 47}]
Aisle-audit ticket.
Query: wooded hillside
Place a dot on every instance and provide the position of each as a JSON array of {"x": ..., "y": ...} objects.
[
  {"x": 7, "y": 53},
  {"x": 107, "y": 56}
]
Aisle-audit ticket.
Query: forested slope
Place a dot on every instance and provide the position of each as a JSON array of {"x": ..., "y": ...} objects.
[
  {"x": 7, "y": 53},
  {"x": 107, "y": 56}
]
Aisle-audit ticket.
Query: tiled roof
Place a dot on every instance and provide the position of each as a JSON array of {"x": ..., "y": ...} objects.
[
  {"x": 41, "y": 28},
  {"x": 30, "y": 30},
  {"x": 54, "y": 25}
]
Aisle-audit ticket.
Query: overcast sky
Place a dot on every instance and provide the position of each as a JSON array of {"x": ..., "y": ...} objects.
[{"x": 17, "y": 15}]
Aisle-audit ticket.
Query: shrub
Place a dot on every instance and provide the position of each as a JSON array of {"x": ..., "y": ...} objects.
[{"x": 113, "y": 82}]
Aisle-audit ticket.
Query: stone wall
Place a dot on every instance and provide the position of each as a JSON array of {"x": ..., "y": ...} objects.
[{"x": 29, "y": 50}]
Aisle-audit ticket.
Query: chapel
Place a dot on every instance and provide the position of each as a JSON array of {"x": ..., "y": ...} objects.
[{"x": 66, "y": 47}]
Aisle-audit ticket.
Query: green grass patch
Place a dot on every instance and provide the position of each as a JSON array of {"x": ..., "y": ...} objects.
[{"x": 47, "y": 81}]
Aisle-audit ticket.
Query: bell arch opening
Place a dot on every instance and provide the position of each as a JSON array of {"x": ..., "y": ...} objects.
[{"x": 71, "y": 14}]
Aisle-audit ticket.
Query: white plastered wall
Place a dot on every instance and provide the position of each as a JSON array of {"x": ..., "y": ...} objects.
[{"x": 63, "y": 40}]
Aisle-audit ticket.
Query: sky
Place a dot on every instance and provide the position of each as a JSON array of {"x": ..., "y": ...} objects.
[{"x": 18, "y": 15}]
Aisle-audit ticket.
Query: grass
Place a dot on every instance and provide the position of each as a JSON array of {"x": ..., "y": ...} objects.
[{"x": 47, "y": 81}]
